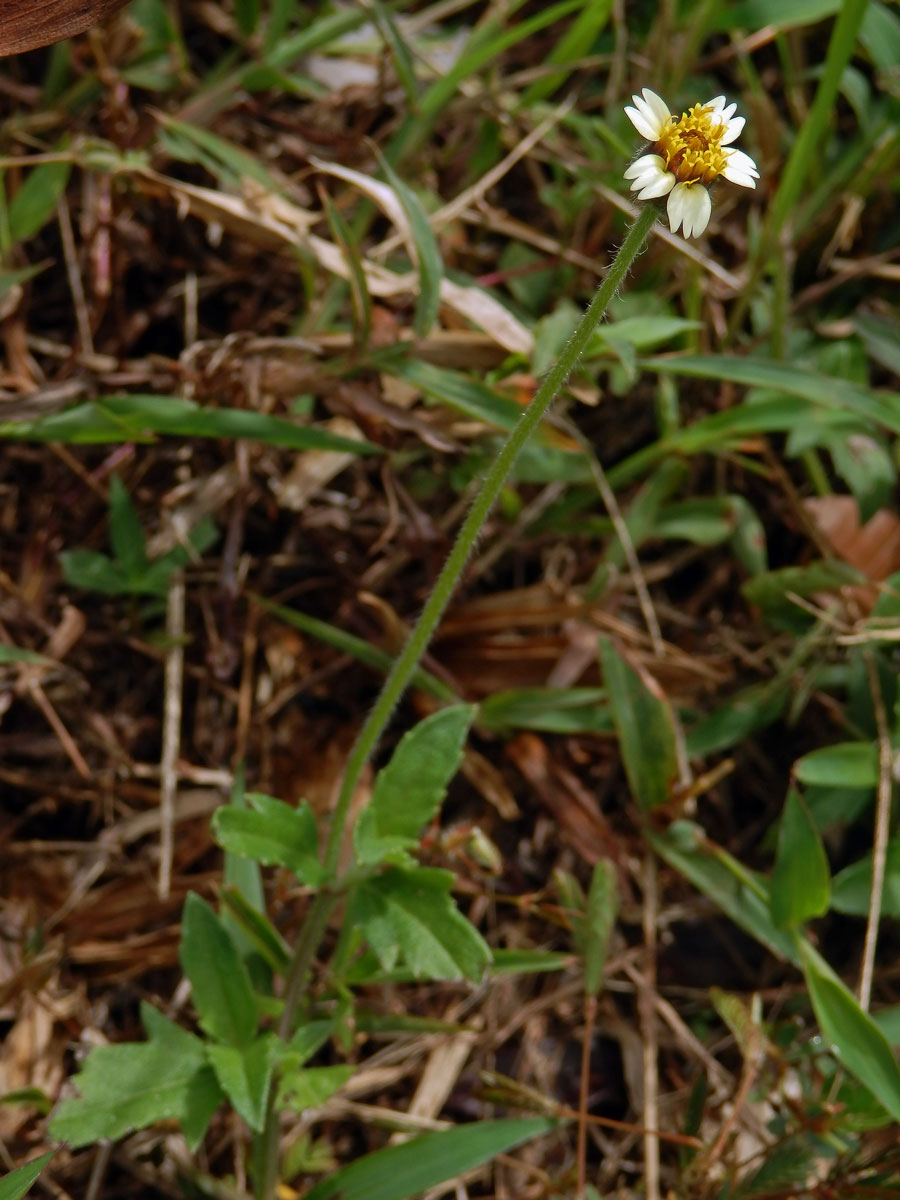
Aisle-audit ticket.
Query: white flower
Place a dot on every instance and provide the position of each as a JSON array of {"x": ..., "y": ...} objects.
[{"x": 685, "y": 155}]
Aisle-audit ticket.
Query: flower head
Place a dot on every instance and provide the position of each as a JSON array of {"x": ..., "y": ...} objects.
[{"x": 685, "y": 155}]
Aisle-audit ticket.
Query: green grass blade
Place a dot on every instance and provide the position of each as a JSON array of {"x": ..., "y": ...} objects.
[
  {"x": 400, "y": 53},
  {"x": 479, "y": 52},
  {"x": 827, "y": 390},
  {"x": 851, "y": 1033},
  {"x": 359, "y": 649},
  {"x": 645, "y": 726},
  {"x": 14, "y": 1185},
  {"x": 428, "y": 254},
  {"x": 799, "y": 167},
  {"x": 138, "y": 417},
  {"x": 402, "y": 1172},
  {"x": 741, "y": 895},
  {"x": 575, "y": 43},
  {"x": 348, "y": 243}
]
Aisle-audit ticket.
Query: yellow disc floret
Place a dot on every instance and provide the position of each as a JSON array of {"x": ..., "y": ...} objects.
[{"x": 691, "y": 146}]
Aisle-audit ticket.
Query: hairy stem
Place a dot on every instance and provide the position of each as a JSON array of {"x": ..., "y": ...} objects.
[{"x": 406, "y": 663}]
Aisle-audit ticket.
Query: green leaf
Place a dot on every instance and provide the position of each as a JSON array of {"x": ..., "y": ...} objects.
[
  {"x": 641, "y": 332},
  {"x": 824, "y": 391},
  {"x": 284, "y": 51},
  {"x": 739, "y": 1018},
  {"x": 401, "y": 56},
  {"x": 748, "y": 539},
  {"x": 800, "y": 885},
  {"x": 309, "y": 1087},
  {"x": 14, "y": 1185},
  {"x": 243, "y": 896},
  {"x": 307, "y": 1040},
  {"x": 17, "y": 654},
  {"x": 458, "y": 392},
  {"x": 361, "y": 650},
  {"x": 255, "y": 927},
  {"x": 741, "y": 715},
  {"x": 273, "y": 833},
  {"x": 852, "y": 1034},
  {"x": 129, "y": 572},
  {"x": 125, "y": 532},
  {"x": 410, "y": 913},
  {"x": 888, "y": 1021},
  {"x": 132, "y": 1085},
  {"x": 711, "y": 520},
  {"x": 220, "y": 984},
  {"x": 741, "y": 895},
  {"x": 485, "y": 45},
  {"x": 549, "y": 710},
  {"x": 846, "y": 764},
  {"x": 881, "y": 334},
  {"x": 773, "y": 591},
  {"x": 755, "y": 14},
  {"x": 9, "y": 279},
  {"x": 428, "y": 254},
  {"x": 93, "y": 571},
  {"x": 411, "y": 788},
  {"x": 864, "y": 462},
  {"x": 786, "y": 1168},
  {"x": 704, "y": 520},
  {"x": 246, "y": 14},
  {"x": 34, "y": 204},
  {"x": 405, "y": 1171},
  {"x": 597, "y": 923},
  {"x": 229, "y": 163},
  {"x": 646, "y": 729},
  {"x": 245, "y": 1076},
  {"x": 346, "y": 239},
  {"x": 30, "y": 1097},
  {"x": 851, "y": 888},
  {"x": 365, "y": 968},
  {"x": 574, "y": 45},
  {"x": 880, "y": 34},
  {"x": 138, "y": 417}
]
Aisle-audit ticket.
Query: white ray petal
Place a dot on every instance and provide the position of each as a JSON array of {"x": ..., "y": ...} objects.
[
  {"x": 732, "y": 131},
  {"x": 646, "y": 164},
  {"x": 657, "y": 106},
  {"x": 675, "y": 206},
  {"x": 690, "y": 207},
  {"x": 650, "y": 177},
  {"x": 646, "y": 128},
  {"x": 697, "y": 207},
  {"x": 720, "y": 110},
  {"x": 649, "y": 115},
  {"x": 738, "y": 177},
  {"x": 739, "y": 166},
  {"x": 652, "y": 188}
]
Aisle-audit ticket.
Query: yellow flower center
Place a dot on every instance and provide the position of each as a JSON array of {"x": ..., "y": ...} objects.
[{"x": 691, "y": 147}]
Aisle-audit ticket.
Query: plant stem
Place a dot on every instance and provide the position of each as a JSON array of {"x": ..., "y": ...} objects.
[{"x": 405, "y": 665}]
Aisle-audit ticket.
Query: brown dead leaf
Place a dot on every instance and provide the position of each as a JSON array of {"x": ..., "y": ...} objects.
[
  {"x": 873, "y": 548},
  {"x": 580, "y": 820}
]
